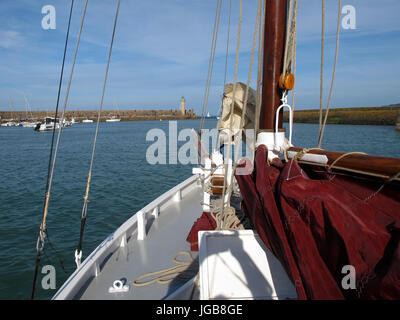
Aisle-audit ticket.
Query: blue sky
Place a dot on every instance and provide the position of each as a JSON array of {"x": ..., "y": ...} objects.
[{"x": 162, "y": 49}]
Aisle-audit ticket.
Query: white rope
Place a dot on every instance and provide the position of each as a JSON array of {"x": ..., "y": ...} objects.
[
  {"x": 184, "y": 270},
  {"x": 238, "y": 135},
  {"x": 210, "y": 64},
  {"x": 322, "y": 67},
  {"x": 227, "y": 42},
  {"x": 226, "y": 161},
  {"x": 259, "y": 77},
  {"x": 89, "y": 178},
  {"x": 321, "y": 133},
  {"x": 43, "y": 225}
]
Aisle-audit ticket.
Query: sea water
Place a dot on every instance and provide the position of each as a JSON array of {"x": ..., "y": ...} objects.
[{"x": 123, "y": 182}]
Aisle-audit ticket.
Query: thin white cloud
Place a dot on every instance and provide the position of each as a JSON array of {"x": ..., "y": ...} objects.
[{"x": 11, "y": 39}]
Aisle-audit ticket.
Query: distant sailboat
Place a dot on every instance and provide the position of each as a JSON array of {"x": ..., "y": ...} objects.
[
  {"x": 28, "y": 124},
  {"x": 114, "y": 118},
  {"x": 10, "y": 122}
]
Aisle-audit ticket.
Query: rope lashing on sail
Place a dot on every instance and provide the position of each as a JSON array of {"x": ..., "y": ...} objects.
[
  {"x": 52, "y": 160},
  {"x": 322, "y": 129},
  {"x": 332, "y": 165},
  {"x": 78, "y": 251},
  {"x": 183, "y": 270}
]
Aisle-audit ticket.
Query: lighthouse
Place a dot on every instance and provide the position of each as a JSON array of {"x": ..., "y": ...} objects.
[{"x": 183, "y": 106}]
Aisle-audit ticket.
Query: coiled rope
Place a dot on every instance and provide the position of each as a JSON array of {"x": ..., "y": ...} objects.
[{"x": 183, "y": 270}]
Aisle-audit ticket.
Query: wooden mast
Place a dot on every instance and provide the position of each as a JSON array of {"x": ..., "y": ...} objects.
[{"x": 274, "y": 46}]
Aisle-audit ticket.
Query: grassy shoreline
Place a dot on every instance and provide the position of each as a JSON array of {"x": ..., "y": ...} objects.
[{"x": 360, "y": 116}]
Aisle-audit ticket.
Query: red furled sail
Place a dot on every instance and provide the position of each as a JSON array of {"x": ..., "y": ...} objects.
[{"x": 326, "y": 227}]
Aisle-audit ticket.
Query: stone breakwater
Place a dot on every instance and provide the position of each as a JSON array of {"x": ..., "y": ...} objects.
[{"x": 125, "y": 115}]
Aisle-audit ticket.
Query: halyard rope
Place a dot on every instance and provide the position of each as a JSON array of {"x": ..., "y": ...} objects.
[
  {"x": 321, "y": 90},
  {"x": 321, "y": 132},
  {"x": 50, "y": 171},
  {"x": 210, "y": 65},
  {"x": 78, "y": 252},
  {"x": 238, "y": 135},
  {"x": 226, "y": 161}
]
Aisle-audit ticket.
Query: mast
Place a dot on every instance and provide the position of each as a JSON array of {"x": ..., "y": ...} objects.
[
  {"x": 274, "y": 40},
  {"x": 11, "y": 110}
]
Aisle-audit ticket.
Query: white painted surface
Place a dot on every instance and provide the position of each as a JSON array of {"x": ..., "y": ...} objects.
[{"x": 237, "y": 265}]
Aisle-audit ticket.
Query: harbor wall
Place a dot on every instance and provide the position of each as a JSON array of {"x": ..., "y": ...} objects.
[
  {"x": 388, "y": 115},
  {"x": 125, "y": 115}
]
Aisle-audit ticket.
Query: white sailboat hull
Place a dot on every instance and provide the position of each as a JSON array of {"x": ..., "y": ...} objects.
[
  {"x": 48, "y": 127},
  {"x": 113, "y": 120},
  {"x": 179, "y": 205}
]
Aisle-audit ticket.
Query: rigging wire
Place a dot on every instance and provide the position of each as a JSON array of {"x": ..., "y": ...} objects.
[
  {"x": 78, "y": 252},
  {"x": 217, "y": 142},
  {"x": 226, "y": 161},
  {"x": 238, "y": 134},
  {"x": 210, "y": 64},
  {"x": 227, "y": 42},
  {"x": 321, "y": 133},
  {"x": 322, "y": 66},
  {"x": 259, "y": 76},
  {"x": 50, "y": 169}
]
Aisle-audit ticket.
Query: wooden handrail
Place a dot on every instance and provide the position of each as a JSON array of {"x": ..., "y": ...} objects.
[{"x": 383, "y": 167}]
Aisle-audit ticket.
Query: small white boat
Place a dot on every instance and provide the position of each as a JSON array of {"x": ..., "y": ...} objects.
[
  {"x": 67, "y": 123},
  {"x": 48, "y": 125},
  {"x": 28, "y": 124},
  {"x": 9, "y": 123},
  {"x": 113, "y": 119},
  {"x": 87, "y": 121}
]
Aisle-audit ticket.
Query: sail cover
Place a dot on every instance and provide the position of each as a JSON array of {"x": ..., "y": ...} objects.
[
  {"x": 336, "y": 236},
  {"x": 229, "y": 118}
]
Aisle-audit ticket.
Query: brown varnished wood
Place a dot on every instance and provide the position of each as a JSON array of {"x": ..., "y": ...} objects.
[{"x": 274, "y": 39}]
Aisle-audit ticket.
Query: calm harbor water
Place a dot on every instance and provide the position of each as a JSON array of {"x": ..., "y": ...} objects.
[{"x": 123, "y": 182}]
